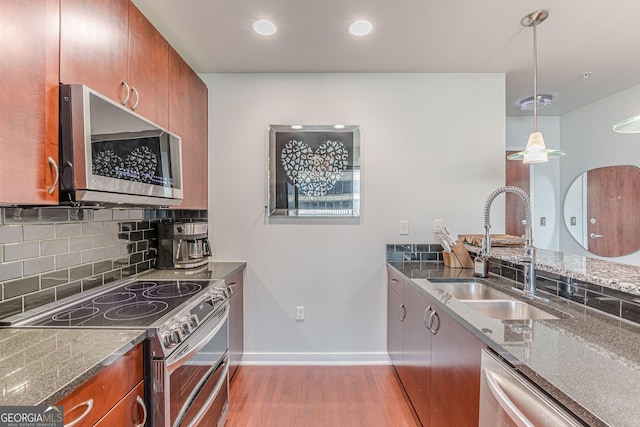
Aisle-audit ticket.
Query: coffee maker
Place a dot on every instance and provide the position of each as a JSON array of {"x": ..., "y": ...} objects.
[{"x": 182, "y": 245}]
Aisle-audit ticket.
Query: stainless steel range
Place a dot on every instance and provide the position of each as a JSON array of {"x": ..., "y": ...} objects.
[{"x": 187, "y": 321}]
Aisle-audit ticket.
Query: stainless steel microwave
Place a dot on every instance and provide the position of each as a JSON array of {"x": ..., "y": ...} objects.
[{"x": 110, "y": 155}]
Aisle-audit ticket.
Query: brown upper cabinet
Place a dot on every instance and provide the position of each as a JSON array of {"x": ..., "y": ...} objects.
[
  {"x": 188, "y": 118},
  {"x": 112, "y": 48},
  {"x": 29, "y": 103}
]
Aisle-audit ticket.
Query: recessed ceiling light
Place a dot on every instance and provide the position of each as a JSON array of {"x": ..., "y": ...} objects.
[
  {"x": 296, "y": 126},
  {"x": 360, "y": 28},
  {"x": 265, "y": 27}
]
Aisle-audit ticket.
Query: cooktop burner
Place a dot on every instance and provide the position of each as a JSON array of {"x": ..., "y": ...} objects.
[{"x": 135, "y": 304}]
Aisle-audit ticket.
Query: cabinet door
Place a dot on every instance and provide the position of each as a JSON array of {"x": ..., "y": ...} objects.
[
  {"x": 188, "y": 105},
  {"x": 148, "y": 69},
  {"x": 29, "y": 103},
  {"x": 455, "y": 374},
  {"x": 93, "y": 399},
  {"x": 396, "y": 313},
  {"x": 94, "y": 37},
  {"x": 236, "y": 323},
  {"x": 416, "y": 372},
  {"x": 132, "y": 410}
]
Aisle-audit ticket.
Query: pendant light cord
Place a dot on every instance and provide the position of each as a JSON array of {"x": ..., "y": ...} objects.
[{"x": 535, "y": 79}]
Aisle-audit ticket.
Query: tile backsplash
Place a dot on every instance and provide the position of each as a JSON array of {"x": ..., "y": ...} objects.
[{"x": 50, "y": 253}]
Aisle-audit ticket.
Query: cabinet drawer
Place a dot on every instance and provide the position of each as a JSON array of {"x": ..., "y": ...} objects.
[
  {"x": 394, "y": 280},
  {"x": 129, "y": 411},
  {"x": 102, "y": 391}
]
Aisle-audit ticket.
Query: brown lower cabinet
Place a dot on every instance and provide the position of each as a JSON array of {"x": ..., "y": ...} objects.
[
  {"x": 112, "y": 397},
  {"x": 438, "y": 360}
]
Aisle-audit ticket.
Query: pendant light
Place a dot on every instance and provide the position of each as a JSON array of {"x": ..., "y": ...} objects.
[{"x": 536, "y": 150}]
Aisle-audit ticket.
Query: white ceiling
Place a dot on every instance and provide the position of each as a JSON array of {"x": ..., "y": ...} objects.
[{"x": 417, "y": 36}]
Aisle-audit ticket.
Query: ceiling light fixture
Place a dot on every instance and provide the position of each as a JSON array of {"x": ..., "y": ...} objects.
[
  {"x": 338, "y": 126},
  {"x": 360, "y": 28},
  {"x": 536, "y": 151},
  {"x": 544, "y": 101},
  {"x": 264, "y": 27},
  {"x": 296, "y": 127}
]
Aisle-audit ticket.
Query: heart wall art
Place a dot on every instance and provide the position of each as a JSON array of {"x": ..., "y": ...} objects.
[{"x": 314, "y": 170}]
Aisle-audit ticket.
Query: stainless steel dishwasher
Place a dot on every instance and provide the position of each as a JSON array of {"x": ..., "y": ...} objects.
[{"x": 508, "y": 399}]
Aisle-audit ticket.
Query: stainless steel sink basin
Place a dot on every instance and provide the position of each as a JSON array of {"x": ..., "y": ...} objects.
[
  {"x": 471, "y": 291},
  {"x": 507, "y": 309}
]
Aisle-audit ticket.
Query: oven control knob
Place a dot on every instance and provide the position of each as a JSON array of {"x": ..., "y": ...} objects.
[
  {"x": 166, "y": 340},
  {"x": 185, "y": 327},
  {"x": 175, "y": 336},
  {"x": 193, "y": 321}
]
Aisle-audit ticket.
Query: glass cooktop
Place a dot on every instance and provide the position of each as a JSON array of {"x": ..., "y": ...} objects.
[{"x": 135, "y": 304}]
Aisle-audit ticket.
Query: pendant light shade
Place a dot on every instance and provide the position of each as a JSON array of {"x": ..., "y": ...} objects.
[{"x": 536, "y": 150}]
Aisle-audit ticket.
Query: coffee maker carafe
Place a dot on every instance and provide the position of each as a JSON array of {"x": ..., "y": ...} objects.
[{"x": 182, "y": 245}]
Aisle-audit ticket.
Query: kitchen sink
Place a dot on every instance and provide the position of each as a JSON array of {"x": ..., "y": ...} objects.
[
  {"x": 470, "y": 291},
  {"x": 507, "y": 309}
]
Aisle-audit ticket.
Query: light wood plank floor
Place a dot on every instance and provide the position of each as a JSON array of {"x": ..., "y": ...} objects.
[{"x": 318, "y": 396}]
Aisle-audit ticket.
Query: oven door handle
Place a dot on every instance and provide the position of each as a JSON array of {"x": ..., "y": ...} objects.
[
  {"x": 205, "y": 407},
  {"x": 196, "y": 348}
]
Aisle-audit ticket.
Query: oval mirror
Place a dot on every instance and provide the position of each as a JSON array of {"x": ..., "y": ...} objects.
[{"x": 602, "y": 210}]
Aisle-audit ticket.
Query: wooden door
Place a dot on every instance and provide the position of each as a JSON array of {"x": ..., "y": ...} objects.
[
  {"x": 29, "y": 103},
  {"x": 94, "y": 38},
  {"x": 613, "y": 203},
  {"x": 148, "y": 69},
  {"x": 455, "y": 374},
  {"x": 518, "y": 174},
  {"x": 416, "y": 373},
  {"x": 188, "y": 106}
]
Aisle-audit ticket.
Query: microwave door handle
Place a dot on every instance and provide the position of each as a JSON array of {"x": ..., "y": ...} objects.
[
  {"x": 207, "y": 247},
  {"x": 196, "y": 348}
]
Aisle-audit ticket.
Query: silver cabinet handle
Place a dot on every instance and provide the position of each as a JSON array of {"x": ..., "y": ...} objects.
[
  {"x": 140, "y": 402},
  {"x": 507, "y": 405},
  {"x": 595, "y": 236},
  {"x": 135, "y": 105},
  {"x": 434, "y": 316},
  {"x": 54, "y": 165},
  {"x": 126, "y": 99},
  {"x": 404, "y": 312},
  {"x": 395, "y": 281},
  {"x": 88, "y": 404},
  {"x": 424, "y": 319}
]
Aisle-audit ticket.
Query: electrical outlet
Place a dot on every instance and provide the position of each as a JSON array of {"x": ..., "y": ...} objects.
[
  {"x": 543, "y": 221},
  {"x": 437, "y": 226},
  {"x": 404, "y": 226},
  {"x": 300, "y": 312}
]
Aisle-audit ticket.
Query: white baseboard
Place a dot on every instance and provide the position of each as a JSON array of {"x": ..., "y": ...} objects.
[{"x": 320, "y": 359}]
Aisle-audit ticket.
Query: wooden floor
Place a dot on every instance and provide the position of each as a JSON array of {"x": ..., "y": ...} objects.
[{"x": 310, "y": 396}]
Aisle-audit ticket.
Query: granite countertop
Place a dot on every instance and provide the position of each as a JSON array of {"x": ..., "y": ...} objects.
[
  {"x": 588, "y": 361},
  {"x": 613, "y": 275},
  {"x": 39, "y": 366},
  {"x": 213, "y": 270}
]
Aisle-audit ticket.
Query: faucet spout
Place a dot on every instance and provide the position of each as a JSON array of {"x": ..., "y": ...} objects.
[{"x": 529, "y": 257}]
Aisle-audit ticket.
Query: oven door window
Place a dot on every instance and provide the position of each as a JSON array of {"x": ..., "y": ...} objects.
[{"x": 198, "y": 388}]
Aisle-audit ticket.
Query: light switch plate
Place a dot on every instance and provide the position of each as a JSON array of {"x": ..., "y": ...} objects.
[
  {"x": 437, "y": 226},
  {"x": 404, "y": 227}
]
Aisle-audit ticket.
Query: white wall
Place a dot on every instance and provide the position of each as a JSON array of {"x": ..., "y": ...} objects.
[
  {"x": 432, "y": 147},
  {"x": 545, "y": 196},
  {"x": 590, "y": 142}
]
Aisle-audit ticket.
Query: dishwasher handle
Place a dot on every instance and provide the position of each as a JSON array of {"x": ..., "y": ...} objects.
[{"x": 505, "y": 403}]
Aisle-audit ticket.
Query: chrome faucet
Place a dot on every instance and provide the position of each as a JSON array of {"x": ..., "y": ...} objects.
[{"x": 528, "y": 259}]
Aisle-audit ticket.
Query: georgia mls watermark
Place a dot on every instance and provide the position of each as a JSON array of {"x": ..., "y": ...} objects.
[{"x": 31, "y": 416}]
